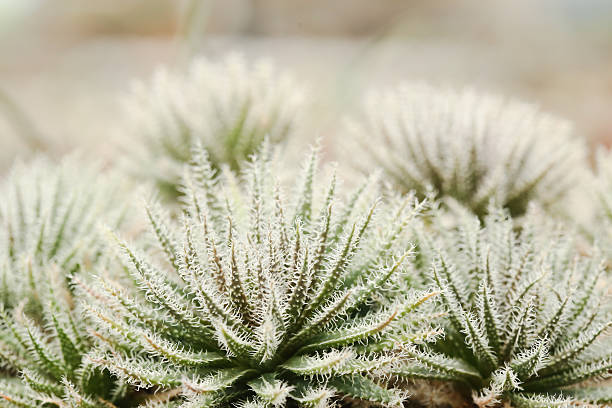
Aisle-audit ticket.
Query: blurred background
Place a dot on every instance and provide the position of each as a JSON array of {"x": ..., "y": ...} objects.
[{"x": 63, "y": 63}]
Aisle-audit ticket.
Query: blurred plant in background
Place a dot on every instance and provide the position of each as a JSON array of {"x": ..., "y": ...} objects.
[
  {"x": 49, "y": 235},
  {"x": 229, "y": 107},
  {"x": 49, "y": 215},
  {"x": 472, "y": 147}
]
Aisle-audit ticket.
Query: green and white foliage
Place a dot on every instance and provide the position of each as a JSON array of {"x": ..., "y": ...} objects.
[
  {"x": 599, "y": 226},
  {"x": 527, "y": 318},
  {"x": 229, "y": 106},
  {"x": 469, "y": 146},
  {"x": 260, "y": 303},
  {"x": 43, "y": 356},
  {"x": 48, "y": 218}
]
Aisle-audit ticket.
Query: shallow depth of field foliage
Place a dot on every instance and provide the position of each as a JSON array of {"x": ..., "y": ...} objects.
[
  {"x": 229, "y": 107},
  {"x": 49, "y": 215},
  {"x": 455, "y": 273},
  {"x": 469, "y": 146},
  {"x": 528, "y": 318}
]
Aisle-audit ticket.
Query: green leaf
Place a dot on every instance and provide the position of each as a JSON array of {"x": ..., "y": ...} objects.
[
  {"x": 361, "y": 387},
  {"x": 234, "y": 343},
  {"x": 70, "y": 351},
  {"x": 13, "y": 394},
  {"x": 529, "y": 362},
  {"x": 323, "y": 364},
  {"x": 271, "y": 390},
  {"x": 164, "y": 237},
  {"x": 41, "y": 385},
  {"x": 599, "y": 368},
  {"x": 219, "y": 381},
  {"x": 332, "y": 275},
  {"x": 303, "y": 207},
  {"x": 601, "y": 395},
  {"x": 160, "y": 289},
  {"x": 138, "y": 371},
  {"x": 335, "y": 307},
  {"x": 446, "y": 365},
  {"x": 414, "y": 371},
  {"x": 476, "y": 339},
  {"x": 45, "y": 357},
  {"x": 352, "y": 332},
  {"x": 526, "y": 400},
  {"x": 310, "y": 396},
  {"x": 574, "y": 348},
  {"x": 488, "y": 313}
]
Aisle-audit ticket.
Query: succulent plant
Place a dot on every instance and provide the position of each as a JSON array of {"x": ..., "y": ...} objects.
[
  {"x": 528, "y": 319},
  {"x": 260, "y": 303},
  {"x": 228, "y": 106},
  {"x": 48, "y": 219},
  {"x": 471, "y": 147},
  {"x": 47, "y": 352}
]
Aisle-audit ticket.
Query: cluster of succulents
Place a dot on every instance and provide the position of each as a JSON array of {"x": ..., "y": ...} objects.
[{"x": 447, "y": 278}]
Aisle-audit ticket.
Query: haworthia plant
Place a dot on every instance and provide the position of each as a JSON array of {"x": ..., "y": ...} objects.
[
  {"x": 229, "y": 106},
  {"x": 43, "y": 356},
  {"x": 49, "y": 216},
  {"x": 258, "y": 303},
  {"x": 528, "y": 318},
  {"x": 468, "y": 146}
]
